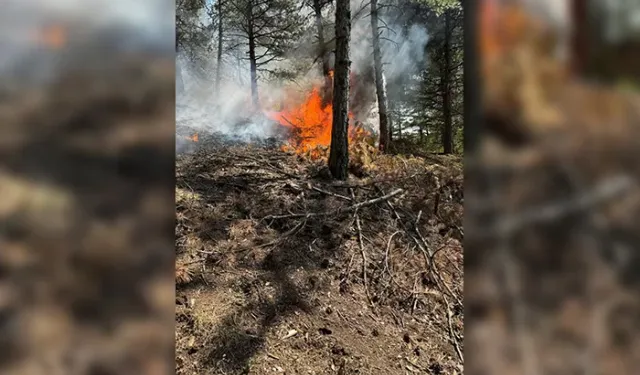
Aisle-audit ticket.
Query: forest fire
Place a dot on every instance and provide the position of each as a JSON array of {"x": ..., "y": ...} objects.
[
  {"x": 53, "y": 36},
  {"x": 503, "y": 27},
  {"x": 310, "y": 122},
  {"x": 191, "y": 138}
]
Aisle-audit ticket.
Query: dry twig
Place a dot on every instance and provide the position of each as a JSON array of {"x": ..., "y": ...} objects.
[
  {"x": 452, "y": 336},
  {"x": 340, "y": 211},
  {"x": 331, "y": 194},
  {"x": 609, "y": 189},
  {"x": 364, "y": 262}
]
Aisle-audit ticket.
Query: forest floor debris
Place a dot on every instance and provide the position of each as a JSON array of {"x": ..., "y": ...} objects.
[
  {"x": 280, "y": 269},
  {"x": 86, "y": 171}
]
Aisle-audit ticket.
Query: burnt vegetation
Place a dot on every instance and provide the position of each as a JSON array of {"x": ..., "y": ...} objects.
[{"x": 319, "y": 224}]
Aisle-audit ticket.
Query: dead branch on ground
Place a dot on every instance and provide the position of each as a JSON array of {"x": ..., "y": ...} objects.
[{"x": 338, "y": 212}]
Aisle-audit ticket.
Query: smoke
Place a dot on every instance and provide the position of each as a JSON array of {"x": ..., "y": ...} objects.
[
  {"x": 403, "y": 51},
  {"x": 555, "y": 15},
  {"x": 402, "y": 48},
  {"x": 230, "y": 114},
  {"x": 91, "y": 27},
  {"x": 407, "y": 52},
  {"x": 152, "y": 17}
]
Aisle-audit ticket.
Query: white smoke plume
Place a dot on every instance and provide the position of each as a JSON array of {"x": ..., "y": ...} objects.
[
  {"x": 199, "y": 109},
  {"x": 401, "y": 49},
  {"x": 146, "y": 25}
]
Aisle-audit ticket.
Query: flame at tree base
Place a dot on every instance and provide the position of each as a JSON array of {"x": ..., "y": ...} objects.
[{"x": 310, "y": 125}]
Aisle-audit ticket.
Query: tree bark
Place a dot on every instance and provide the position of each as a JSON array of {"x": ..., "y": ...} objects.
[
  {"x": 179, "y": 80},
  {"x": 339, "y": 152},
  {"x": 381, "y": 89},
  {"x": 391, "y": 112},
  {"x": 322, "y": 47},
  {"x": 219, "y": 57},
  {"x": 580, "y": 37},
  {"x": 472, "y": 93},
  {"x": 253, "y": 63},
  {"x": 322, "y": 53},
  {"x": 447, "y": 132}
]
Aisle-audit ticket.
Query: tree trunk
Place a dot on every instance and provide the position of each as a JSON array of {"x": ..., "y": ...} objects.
[
  {"x": 391, "y": 112},
  {"x": 580, "y": 39},
  {"x": 447, "y": 132},
  {"x": 339, "y": 152},
  {"x": 472, "y": 92},
  {"x": 322, "y": 47},
  {"x": 323, "y": 53},
  {"x": 179, "y": 79},
  {"x": 253, "y": 64},
  {"x": 219, "y": 57},
  {"x": 381, "y": 89}
]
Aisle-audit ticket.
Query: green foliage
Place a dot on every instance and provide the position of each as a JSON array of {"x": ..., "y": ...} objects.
[
  {"x": 190, "y": 32},
  {"x": 193, "y": 36},
  {"x": 423, "y": 93},
  {"x": 440, "y": 6},
  {"x": 274, "y": 24}
]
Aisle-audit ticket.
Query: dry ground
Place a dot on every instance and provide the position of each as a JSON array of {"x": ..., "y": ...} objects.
[
  {"x": 265, "y": 288},
  {"x": 86, "y": 255},
  {"x": 551, "y": 246}
]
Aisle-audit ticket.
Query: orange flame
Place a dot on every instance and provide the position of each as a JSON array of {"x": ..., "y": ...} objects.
[
  {"x": 52, "y": 36},
  {"x": 193, "y": 138},
  {"x": 310, "y": 122},
  {"x": 503, "y": 25}
]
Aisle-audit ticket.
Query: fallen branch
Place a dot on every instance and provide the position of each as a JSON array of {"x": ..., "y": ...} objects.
[
  {"x": 444, "y": 288},
  {"x": 605, "y": 191},
  {"x": 452, "y": 334},
  {"x": 266, "y": 163},
  {"x": 395, "y": 212},
  {"x": 331, "y": 194},
  {"x": 376, "y": 182},
  {"x": 338, "y": 212},
  {"x": 291, "y": 232},
  {"x": 386, "y": 258},
  {"x": 364, "y": 262},
  {"x": 424, "y": 242},
  {"x": 193, "y": 261}
]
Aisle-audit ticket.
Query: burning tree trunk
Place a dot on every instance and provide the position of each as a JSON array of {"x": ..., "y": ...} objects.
[
  {"x": 381, "y": 89},
  {"x": 447, "y": 132},
  {"x": 219, "y": 57},
  {"x": 339, "y": 153},
  {"x": 253, "y": 62}
]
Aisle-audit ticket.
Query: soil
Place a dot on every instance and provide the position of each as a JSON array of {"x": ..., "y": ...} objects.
[
  {"x": 551, "y": 221},
  {"x": 264, "y": 288},
  {"x": 86, "y": 259}
]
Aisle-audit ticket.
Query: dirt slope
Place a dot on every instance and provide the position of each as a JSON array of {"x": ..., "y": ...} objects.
[
  {"x": 263, "y": 295},
  {"x": 85, "y": 252}
]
